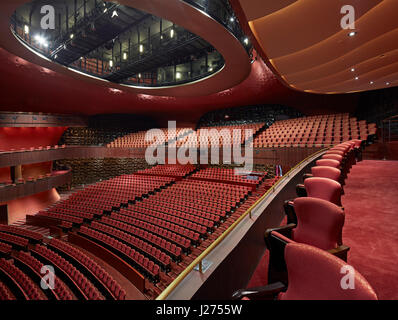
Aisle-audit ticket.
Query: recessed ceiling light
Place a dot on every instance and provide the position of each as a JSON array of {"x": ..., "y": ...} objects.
[
  {"x": 356, "y": 78},
  {"x": 371, "y": 82},
  {"x": 352, "y": 33},
  {"x": 352, "y": 69},
  {"x": 387, "y": 83}
]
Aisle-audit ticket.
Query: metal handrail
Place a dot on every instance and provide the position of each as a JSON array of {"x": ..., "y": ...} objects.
[{"x": 204, "y": 254}]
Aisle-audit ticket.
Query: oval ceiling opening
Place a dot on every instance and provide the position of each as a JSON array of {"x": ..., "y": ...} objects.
[{"x": 114, "y": 42}]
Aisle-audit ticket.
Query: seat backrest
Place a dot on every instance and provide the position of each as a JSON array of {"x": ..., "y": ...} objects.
[
  {"x": 335, "y": 151},
  {"x": 326, "y": 172},
  {"x": 333, "y": 157},
  {"x": 328, "y": 163},
  {"x": 319, "y": 223},
  {"x": 315, "y": 274},
  {"x": 323, "y": 188}
]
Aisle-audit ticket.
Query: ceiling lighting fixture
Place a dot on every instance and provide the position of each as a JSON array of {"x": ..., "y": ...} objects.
[
  {"x": 26, "y": 29},
  {"x": 246, "y": 41},
  {"x": 210, "y": 69},
  {"x": 352, "y": 33},
  {"x": 124, "y": 56},
  {"x": 352, "y": 69},
  {"x": 41, "y": 40},
  {"x": 371, "y": 82},
  {"x": 387, "y": 83},
  {"x": 139, "y": 75},
  {"x": 172, "y": 33},
  {"x": 72, "y": 35},
  {"x": 114, "y": 14},
  {"x": 356, "y": 78},
  {"x": 106, "y": 9},
  {"x": 178, "y": 75},
  {"x": 111, "y": 63},
  {"x": 141, "y": 48},
  {"x": 232, "y": 19}
]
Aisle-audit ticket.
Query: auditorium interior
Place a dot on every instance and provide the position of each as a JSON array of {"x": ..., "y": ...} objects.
[{"x": 235, "y": 150}]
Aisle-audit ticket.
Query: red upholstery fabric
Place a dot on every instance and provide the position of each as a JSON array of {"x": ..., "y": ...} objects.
[
  {"x": 335, "y": 151},
  {"x": 323, "y": 188},
  {"x": 315, "y": 274},
  {"x": 333, "y": 157},
  {"x": 326, "y": 172},
  {"x": 328, "y": 163},
  {"x": 319, "y": 223}
]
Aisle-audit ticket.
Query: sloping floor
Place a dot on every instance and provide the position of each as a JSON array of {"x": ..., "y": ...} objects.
[{"x": 371, "y": 226}]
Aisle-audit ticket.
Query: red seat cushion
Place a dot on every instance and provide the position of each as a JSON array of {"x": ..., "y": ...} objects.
[{"x": 315, "y": 274}]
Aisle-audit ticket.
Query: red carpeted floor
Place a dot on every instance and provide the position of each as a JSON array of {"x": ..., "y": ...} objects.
[{"x": 371, "y": 227}]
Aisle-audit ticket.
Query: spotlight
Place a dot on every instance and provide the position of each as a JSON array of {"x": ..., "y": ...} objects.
[
  {"x": 72, "y": 35},
  {"x": 41, "y": 40},
  {"x": 352, "y": 33},
  {"x": 139, "y": 75},
  {"x": 356, "y": 78},
  {"x": 387, "y": 83},
  {"x": 232, "y": 19},
  {"x": 352, "y": 69},
  {"x": 371, "y": 82}
]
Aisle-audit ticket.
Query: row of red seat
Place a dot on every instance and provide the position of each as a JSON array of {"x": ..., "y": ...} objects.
[
  {"x": 311, "y": 241},
  {"x": 35, "y": 236},
  {"x": 61, "y": 291},
  {"x": 170, "y": 248},
  {"x": 158, "y": 256},
  {"x": 23, "y": 281},
  {"x": 14, "y": 240},
  {"x": 91, "y": 265},
  {"x": 173, "y": 237},
  {"x": 143, "y": 264},
  {"x": 5, "y": 248},
  {"x": 86, "y": 287},
  {"x": 55, "y": 147},
  {"x": 5, "y": 293}
]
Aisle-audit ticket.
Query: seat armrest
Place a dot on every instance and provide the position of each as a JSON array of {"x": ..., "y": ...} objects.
[
  {"x": 307, "y": 175},
  {"x": 340, "y": 252},
  {"x": 300, "y": 190},
  {"x": 283, "y": 230},
  {"x": 269, "y": 292},
  {"x": 288, "y": 206}
]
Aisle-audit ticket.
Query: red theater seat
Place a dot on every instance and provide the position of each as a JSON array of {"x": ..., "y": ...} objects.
[{"x": 313, "y": 274}]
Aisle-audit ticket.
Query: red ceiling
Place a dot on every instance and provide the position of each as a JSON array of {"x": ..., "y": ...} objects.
[{"x": 28, "y": 87}]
